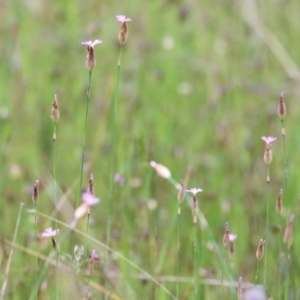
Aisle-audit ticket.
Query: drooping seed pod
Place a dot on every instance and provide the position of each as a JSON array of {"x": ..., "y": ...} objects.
[
  {"x": 288, "y": 233},
  {"x": 55, "y": 110},
  {"x": 260, "y": 249},
  {"x": 35, "y": 192},
  {"x": 279, "y": 204},
  {"x": 281, "y": 109},
  {"x": 226, "y": 235}
]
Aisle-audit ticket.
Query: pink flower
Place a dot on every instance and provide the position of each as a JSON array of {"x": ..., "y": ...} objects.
[
  {"x": 194, "y": 191},
  {"x": 91, "y": 44},
  {"x": 268, "y": 139},
  {"x": 232, "y": 237},
  {"x": 50, "y": 233},
  {"x": 122, "y": 18},
  {"x": 90, "y": 199}
]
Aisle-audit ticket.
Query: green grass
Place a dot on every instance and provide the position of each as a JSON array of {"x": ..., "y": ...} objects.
[{"x": 198, "y": 89}]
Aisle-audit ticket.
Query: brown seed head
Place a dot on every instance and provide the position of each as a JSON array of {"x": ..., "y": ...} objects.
[
  {"x": 35, "y": 193},
  {"x": 288, "y": 233},
  {"x": 226, "y": 235},
  {"x": 55, "y": 110},
  {"x": 123, "y": 33},
  {"x": 281, "y": 109},
  {"x": 260, "y": 249},
  {"x": 90, "y": 188},
  {"x": 268, "y": 154},
  {"x": 90, "y": 58},
  {"x": 279, "y": 205}
]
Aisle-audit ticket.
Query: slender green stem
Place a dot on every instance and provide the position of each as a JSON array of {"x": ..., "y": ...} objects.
[
  {"x": 178, "y": 249},
  {"x": 88, "y": 97},
  {"x": 36, "y": 248},
  {"x": 112, "y": 167},
  {"x": 267, "y": 229},
  {"x": 279, "y": 256},
  {"x": 195, "y": 262},
  {"x": 11, "y": 253},
  {"x": 284, "y": 155},
  {"x": 286, "y": 294},
  {"x": 256, "y": 274},
  {"x": 222, "y": 280},
  {"x": 86, "y": 243},
  {"x": 55, "y": 205}
]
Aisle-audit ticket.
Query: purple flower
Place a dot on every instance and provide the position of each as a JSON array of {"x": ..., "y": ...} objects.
[
  {"x": 91, "y": 44},
  {"x": 268, "y": 139},
  {"x": 90, "y": 199},
  {"x": 194, "y": 191},
  {"x": 50, "y": 233},
  {"x": 122, "y": 18}
]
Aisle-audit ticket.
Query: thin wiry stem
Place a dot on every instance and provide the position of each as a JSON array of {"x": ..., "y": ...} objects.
[
  {"x": 11, "y": 253},
  {"x": 36, "y": 247},
  {"x": 267, "y": 228},
  {"x": 286, "y": 291},
  {"x": 256, "y": 273},
  {"x": 195, "y": 262},
  {"x": 279, "y": 256},
  {"x": 86, "y": 246},
  {"x": 88, "y": 97},
  {"x": 55, "y": 206},
  {"x": 112, "y": 167},
  {"x": 178, "y": 249}
]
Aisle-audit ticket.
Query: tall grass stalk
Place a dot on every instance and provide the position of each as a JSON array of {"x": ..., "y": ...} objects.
[
  {"x": 112, "y": 169},
  {"x": 36, "y": 249},
  {"x": 267, "y": 227},
  {"x": 55, "y": 205},
  {"x": 256, "y": 273},
  {"x": 178, "y": 249},
  {"x": 195, "y": 262},
  {"x": 286, "y": 211},
  {"x": 5, "y": 281},
  {"x": 88, "y": 97}
]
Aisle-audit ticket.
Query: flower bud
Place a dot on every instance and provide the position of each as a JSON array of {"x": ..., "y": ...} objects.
[
  {"x": 35, "y": 193},
  {"x": 161, "y": 170},
  {"x": 281, "y": 109},
  {"x": 260, "y": 249},
  {"x": 279, "y": 205},
  {"x": 55, "y": 110}
]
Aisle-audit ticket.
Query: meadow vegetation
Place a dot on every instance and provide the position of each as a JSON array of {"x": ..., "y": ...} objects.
[{"x": 198, "y": 87}]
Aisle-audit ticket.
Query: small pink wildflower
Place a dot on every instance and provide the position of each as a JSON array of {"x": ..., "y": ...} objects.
[
  {"x": 123, "y": 33},
  {"x": 91, "y": 44},
  {"x": 90, "y": 58},
  {"x": 268, "y": 139},
  {"x": 232, "y": 237},
  {"x": 50, "y": 233},
  {"x": 194, "y": 191},
  {"x": 90, "y": 199},
  {"x": 122, "y": 18}
]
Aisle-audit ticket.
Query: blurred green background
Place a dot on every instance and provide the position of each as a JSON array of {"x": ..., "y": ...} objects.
[{"x": 200, "y": 82}]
